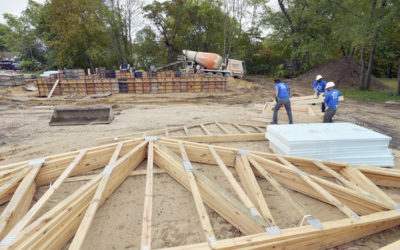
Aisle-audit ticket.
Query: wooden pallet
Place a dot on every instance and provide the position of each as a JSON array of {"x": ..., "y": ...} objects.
[{"x": 366, "y": 207}]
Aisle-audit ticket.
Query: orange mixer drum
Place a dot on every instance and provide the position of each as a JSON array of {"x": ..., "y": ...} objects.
[{"x": 207, "y": 60}]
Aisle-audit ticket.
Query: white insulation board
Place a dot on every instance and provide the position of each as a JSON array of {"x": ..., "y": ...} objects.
[{"x": 342, "y": 142}]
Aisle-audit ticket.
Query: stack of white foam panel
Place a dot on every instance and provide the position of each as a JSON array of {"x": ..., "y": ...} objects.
[{"x": 341, "y": 142}]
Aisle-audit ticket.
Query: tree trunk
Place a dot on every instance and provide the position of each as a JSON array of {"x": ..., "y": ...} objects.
[
  {"x": 92, "y": 69},
  {"x": 362, "y": 77},
  {"x": 343, "y": 51},
  {"x": 398, "y": 78},
  {"x": 371, "y": 62}
]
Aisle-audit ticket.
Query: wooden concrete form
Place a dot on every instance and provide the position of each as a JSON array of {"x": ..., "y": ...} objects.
[
  {"x": 91, "y": 86},
  {"x": 369, "y": 209}
]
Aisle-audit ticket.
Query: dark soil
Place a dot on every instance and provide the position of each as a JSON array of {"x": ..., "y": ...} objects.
[{"x": 344, "y": 72}]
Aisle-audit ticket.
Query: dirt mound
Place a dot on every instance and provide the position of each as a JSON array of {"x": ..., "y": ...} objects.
[{"x": 344, "y": 72}]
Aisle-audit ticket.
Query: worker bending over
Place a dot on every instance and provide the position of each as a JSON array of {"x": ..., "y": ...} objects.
[
  {"x": 332, "y": 101},
  {"x": 282, "y": 96},
  {"x": 319, "y": 89}
]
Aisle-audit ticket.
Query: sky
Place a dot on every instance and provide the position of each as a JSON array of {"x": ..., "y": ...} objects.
[{"x": 14, "y": 7}]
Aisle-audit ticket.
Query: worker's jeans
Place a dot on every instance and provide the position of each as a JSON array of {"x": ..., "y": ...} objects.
[
  {"x": 329, "y": 113},
  {"x": 286, "y": 102}
]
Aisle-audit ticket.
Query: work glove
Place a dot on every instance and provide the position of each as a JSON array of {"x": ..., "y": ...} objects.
[{"x": 276, "y": 99}]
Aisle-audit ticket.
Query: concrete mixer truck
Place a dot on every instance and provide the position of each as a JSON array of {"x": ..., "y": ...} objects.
[{"x": 212, "y": 63}]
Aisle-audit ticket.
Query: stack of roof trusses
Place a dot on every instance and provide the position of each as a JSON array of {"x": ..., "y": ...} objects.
[{"x": 365, "y": 208}]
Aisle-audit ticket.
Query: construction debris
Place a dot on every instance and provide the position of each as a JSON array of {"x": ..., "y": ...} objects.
[{"x": 342, "y": 142}]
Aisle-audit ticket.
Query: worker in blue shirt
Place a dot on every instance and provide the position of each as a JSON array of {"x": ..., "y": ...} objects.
[
  {"x": 332, "y": 101},
  {"x": 282, "y": 96},
  {"x": 319, "y": 89}
]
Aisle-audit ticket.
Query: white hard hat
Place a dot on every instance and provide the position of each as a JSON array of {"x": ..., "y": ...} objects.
[
  {"x": 318, "y": 77},
  {"x": 330, "y": 85}
]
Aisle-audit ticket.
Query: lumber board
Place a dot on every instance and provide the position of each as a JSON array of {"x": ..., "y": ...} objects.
[
  {"x": 235, "y": 185},
  {"x": 35, "y": 210},
  {"x": 347, "y": 183},
  {"x": 240, "y": 128},
  {"x": 121, "y": 170},
  {"x": 201, "y": 209},
  {"x": 222, "y": 138},
  {"x": 20, "y": 202},
  {"x": 94, "y": 203},
  {"x": 382, "y": 176},
  {"x": 223, "y": 129},
  {"x": 393, "y": 246},
  {"x": 281, "y": 190},
  {"x": 333, "y": 234},
  {"x": 91, "y": 176},
  {"x": 53, "y": 88},
  {"x": 199, "y": 153},
  {"x": 292, "y": 180},
  {"x": 225, "y": 205},
  {"x": 12, "y": 183},
  {"x": 358, "y": 177},
  {"x": 206, "y": 131},
  {"x": 253, "y": 190},
  {"x": 185, "y": 128},
  {"x": 148, "y": 200}
]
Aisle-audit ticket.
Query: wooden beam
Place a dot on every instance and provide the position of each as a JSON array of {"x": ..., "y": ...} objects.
[
  {"x": 332, "y": 199},
  {"x": 201, "y": 209},
  {"x": 240, "y": 128},
  {"x": 35, "y": 210},
  {"x": 345, "y": 182},
  {"x": 292, "y": 180},
  {"x": 393, "y": 246},
  {"x": 382, "y": 176},
  {"x": 186, "y": 131},
  {"x": 53, "y": 88},
  {"x": 206, "y": 131},
  {"x": 333, "y": 234},
  {"x": 91, "y": 176},
  {"x": 282, "y": 191},
  {"x": 252, "y": 188},
  {"x": 356, "y": 176},
  {"x": 259, "y": 129},
  {"x": 225, "y": 205},
  {"x": 235, "y": 185},
  {"x": 222, "y": 138},
  {"x": 222, "y": 128},
  {"x": 94, "y": 203},
  {"x": 148, "y": 200},
  {"x": 56, "y": 227},
  {"x": 20, "y": 202},
  {"x": 166, "y": 132}
]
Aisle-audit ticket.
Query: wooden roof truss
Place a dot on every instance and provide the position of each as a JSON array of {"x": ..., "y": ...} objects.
[{"x": 366, "y": 207}]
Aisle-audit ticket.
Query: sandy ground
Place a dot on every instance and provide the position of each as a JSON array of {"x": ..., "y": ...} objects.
[{"x": 25, "y": 134}]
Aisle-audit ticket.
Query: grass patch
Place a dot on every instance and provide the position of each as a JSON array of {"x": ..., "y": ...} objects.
[
  {"x": 376, "y": 95},
  {"x": 390, "y": 82}
]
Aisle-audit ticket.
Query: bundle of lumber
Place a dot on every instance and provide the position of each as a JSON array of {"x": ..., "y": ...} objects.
[{"x": 343, "y": 142}]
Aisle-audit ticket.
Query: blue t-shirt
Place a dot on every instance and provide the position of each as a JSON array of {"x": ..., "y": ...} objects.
[
  {"x": 332, "y": 98},
  {"x": 283, "y": 90},
  {"x": 320, "y": 86}
]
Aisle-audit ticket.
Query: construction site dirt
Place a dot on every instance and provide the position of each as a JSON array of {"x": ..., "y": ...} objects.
[{"x": 25, "y": 134}]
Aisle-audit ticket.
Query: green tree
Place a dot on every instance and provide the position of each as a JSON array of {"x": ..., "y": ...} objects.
[{"x": 78, "y": 32}]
